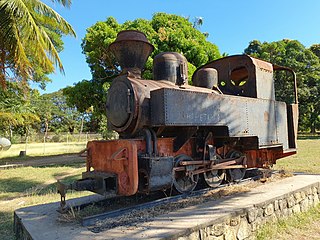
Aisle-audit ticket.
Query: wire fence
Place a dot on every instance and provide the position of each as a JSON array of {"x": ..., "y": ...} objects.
[
  {"x": 56, "y": 138},
  {"x": 51, "y": 144}
]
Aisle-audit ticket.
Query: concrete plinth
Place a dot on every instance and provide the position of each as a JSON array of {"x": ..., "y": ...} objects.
[{"x": 233, "y": 217}]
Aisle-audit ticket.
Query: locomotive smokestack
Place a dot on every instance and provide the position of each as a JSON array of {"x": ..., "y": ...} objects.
[{"x": 131, "y": 50}]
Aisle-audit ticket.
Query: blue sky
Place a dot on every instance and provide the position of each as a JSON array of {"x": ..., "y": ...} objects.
[{"x": 231, "y": 25}]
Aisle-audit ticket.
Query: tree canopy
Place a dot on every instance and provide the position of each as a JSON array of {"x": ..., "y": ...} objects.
[
  {"x": 166, "y": 32},
  {"x": 55, "y": 114},
  {"x": 23, "y": 112},
  {"x": 306, "y": 63},
  {"x": 16, "y": 111},
  {"x": 30, "y": 39}
]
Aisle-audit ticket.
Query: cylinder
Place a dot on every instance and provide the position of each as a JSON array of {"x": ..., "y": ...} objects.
[
  {"x": 206, "y": 78},
  {"x": 171, "y": 66}
]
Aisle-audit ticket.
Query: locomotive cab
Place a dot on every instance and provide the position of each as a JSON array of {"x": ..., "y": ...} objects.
[{"x": 242, "y": 75}]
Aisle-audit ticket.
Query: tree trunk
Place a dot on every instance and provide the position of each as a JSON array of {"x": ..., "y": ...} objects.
[
  {"x": 2, "y": 67},
  {"x": 313, "y": 128},
  {"x": 11, "y": 133},
  {"x": 27, "y": 133},
  {"x": 81, "y": 128},
  {"x": 313, "y": 120},
  {"x": 46, "y": 129}
]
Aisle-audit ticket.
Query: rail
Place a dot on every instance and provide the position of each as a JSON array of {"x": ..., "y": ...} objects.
[{"x": 92, "y": 220}]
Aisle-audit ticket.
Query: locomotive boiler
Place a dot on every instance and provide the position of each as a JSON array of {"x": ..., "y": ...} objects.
[{"x": 171, "y": 134}]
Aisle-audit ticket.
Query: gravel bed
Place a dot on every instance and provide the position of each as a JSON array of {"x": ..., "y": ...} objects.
[{"x": 135, "y": 217}]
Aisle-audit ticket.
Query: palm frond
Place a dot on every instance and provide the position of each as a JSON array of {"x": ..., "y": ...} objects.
[
  {"x": 8, "y": 118},
  {"x": 65, "y": 3},
  {"x": 24, "y": 35},
  {"x": 45, "y": 10}
]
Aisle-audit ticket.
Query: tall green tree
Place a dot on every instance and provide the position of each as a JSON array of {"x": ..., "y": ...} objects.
[
  {"x": 30, "y": 39},
  {"x": 306, "y": 63},
  {"x": 315, "y": 48},
  {"x": 89, "y": 98},
  {"x": 56, "y": 115},
  {"x": 16, "y": 111},
  {"x": 167, "y": 32}
]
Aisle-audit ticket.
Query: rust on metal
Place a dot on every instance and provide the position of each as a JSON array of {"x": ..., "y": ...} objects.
[
  {"x": 124, "y": 164},
  {"x": 131, "y": 49},
  {"x": 171, "y": 132},
  {"x": 172, "y": 67}
]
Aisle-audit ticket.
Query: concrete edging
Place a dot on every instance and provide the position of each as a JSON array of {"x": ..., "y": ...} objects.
[{"x": 233, "y": 217}]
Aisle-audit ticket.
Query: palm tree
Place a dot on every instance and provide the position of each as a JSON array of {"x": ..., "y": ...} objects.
[{"x": 27, "y": 32}]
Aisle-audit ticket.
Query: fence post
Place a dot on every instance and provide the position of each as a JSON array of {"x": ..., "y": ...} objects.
[
  {"x": 44, "y": 144},
  {"x": 67, "y": 142}
]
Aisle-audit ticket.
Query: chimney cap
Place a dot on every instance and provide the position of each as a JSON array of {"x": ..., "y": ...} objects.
[{"x": 131, "y": 50}]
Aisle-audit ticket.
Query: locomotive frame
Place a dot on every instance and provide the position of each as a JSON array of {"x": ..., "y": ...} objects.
[{"x": 171, "y": 133}]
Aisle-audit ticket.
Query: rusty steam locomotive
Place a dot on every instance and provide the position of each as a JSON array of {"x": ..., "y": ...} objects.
[{"x": 171, "y": 133}]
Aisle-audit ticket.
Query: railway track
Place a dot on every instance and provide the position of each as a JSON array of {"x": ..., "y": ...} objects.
[{"x": 144, "y": 211}]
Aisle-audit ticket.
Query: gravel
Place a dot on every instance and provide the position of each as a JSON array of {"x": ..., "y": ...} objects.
[{"x": 135, "y": 217}]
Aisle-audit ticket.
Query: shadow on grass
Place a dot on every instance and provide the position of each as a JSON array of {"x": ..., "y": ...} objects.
[
  {"x": 52, "y": 188},
  {"x": 16, "y": 185},
  {"x": 13, "y": 188},
  {"x": 6, "y": 226},
  {"x": 308, "y": 137},
  {"x": 73, "y": 165},
  {"x": 67, "y": 179},
  {"x": 9, "y": 160}
]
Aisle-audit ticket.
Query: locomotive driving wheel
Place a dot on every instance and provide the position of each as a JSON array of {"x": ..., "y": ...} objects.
[
  {"x": 215, "y": 177},
  {"x": 237, "y": 174},
  {"x": 183, "y": 180}
]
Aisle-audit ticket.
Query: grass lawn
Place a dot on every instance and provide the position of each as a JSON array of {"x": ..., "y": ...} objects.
[
  {"x": 304, "y": 225},
  {"x": 28, "y": 186},
  {"x": 307, "y": 159},
  {"x": 41, "y": 149}
]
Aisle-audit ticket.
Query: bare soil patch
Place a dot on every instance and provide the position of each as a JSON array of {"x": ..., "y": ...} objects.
[{"x": 44, "y": 161}]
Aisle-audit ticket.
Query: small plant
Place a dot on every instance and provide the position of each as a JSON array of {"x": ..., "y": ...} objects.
[{"x": 69, "y": 216}]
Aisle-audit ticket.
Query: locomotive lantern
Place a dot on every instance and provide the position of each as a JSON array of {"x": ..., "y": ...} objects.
[{"x": 172, "y": 133}]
